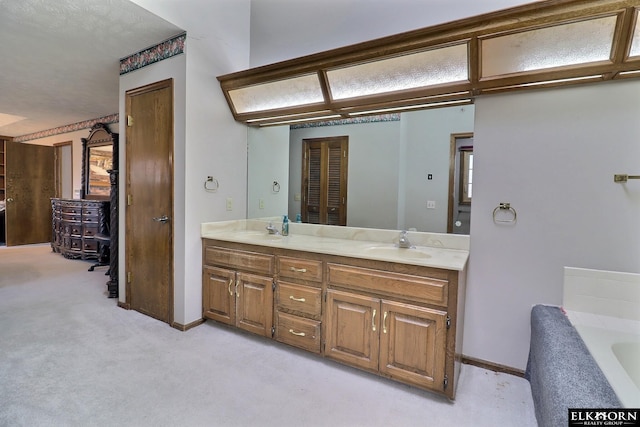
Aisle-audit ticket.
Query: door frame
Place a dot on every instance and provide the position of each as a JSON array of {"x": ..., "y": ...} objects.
[
  {"x": 167, "y": 83},
  {"x": 452, "y": 176},
  {"x": 58, "y": 178}
]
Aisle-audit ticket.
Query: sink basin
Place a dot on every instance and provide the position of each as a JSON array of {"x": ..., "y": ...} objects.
[{"x": 392, "y": 251}]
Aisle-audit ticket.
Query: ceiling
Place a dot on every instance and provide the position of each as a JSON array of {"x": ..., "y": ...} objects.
[{"x": 60, "y": 59}]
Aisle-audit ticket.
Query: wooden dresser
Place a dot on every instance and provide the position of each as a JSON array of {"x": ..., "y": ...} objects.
[{"x": 75, "y": 222}]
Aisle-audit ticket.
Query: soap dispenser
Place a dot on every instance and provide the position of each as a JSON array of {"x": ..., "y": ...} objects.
[{"x": 285, "y": 226}]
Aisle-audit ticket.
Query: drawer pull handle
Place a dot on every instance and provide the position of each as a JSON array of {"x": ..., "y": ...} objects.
[
  {"x": 298, "y": 334},
  {"x": 291, "y": 297},
  {"x": 229, "y": 287},
  {"x": 373, "y": 320},
  {"x": 298, "y": 270},
  {"x": 384, "y": 323}
]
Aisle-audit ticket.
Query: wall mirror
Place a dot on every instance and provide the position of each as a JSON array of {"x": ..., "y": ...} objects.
[
  {"x": 99, "y": 156},
  {"x": 399, "y": 169}
]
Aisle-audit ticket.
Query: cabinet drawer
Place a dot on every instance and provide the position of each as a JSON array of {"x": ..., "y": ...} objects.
[
  {"x": 416, "y": 288},
  {"x": 68, "y": 217},
  {"x": 75, "y": 244},
  {"x": 297, "y": 268},
  {"x": 298, "y": 331},
  {"x": 72, "y": 209},
  {"x": 303, "y": 299},
  {"x": 90, "y": 219},
  {"x": 73, "y": 229},
  {"x": 249, "y": 261},
  {"x": 89, "y": 245},
  {"x": 90, "y": 230}
]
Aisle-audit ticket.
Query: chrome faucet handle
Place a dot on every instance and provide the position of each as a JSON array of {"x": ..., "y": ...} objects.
[{"x": 403, "y": 240}]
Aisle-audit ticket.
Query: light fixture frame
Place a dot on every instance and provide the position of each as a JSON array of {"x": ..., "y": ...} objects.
[{"x": 470, "y": 31}]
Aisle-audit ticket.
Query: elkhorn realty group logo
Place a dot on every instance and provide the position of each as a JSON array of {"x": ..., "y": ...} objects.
[{"x": 604, "y": 417}]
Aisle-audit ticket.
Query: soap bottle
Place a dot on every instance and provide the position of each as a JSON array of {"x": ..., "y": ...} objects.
[
  {"x": 285, "y": 226},
  {"x": 298, "y": 218}
]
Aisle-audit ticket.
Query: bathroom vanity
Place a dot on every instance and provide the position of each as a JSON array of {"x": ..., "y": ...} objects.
[{"x": 344, "y": 293}]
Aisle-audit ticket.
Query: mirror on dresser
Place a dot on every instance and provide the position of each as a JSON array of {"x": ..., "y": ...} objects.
[
  {"x": 397, "y": 163},
  {"x": 87, "y": 228}
]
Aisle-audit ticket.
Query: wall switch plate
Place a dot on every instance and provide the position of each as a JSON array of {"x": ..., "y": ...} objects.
[
  {"x": 229, "y": 203},
  {"x": 261, "y": 204},
  {"x": 431, "y": 204},
  {"x": 297, "y": 197}
]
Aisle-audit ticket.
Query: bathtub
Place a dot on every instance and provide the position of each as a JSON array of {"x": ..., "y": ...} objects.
[
  {"x": 604, "y": 308},
  {"x": 615, "y": 346}
]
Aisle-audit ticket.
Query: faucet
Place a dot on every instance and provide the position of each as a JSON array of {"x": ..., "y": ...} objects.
[
  {"x": 271, "y": 229},
  {"x": 403, "y": 241}
]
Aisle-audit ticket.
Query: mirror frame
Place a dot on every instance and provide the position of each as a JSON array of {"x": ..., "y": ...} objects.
[{"x": 99, "y": 136}]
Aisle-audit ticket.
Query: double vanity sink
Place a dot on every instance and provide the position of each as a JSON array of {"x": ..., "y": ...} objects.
[
  {"x": 353, "y": 295},
  {"x": 427, "y": 249}
]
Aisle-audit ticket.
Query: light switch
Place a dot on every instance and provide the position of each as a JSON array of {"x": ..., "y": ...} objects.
[
  {"x": 431, "y": 204},
  {"x": 261, "y": 204},
  {"x": 229, "y": 204},
  {"x": 297, "y": 197}
]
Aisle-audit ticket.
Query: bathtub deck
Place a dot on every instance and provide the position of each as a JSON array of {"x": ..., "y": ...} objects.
[{"x": 600, "y": 333}]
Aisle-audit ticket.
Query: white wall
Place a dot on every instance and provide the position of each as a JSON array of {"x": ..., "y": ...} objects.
[
  {"x": 268, "y": 161},
  {"x": 280, "y": 29},
  {"x": 552, "y": 154},
  {"x": 214, "y": 144},
  {"x": 428, "y": 138}
]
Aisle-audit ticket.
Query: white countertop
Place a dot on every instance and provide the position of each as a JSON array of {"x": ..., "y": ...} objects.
[{"x": 437, "y": 250}]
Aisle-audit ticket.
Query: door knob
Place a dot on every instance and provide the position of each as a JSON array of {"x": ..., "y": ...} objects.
[
  {"x": 162, "y": 218},
  {"x": 10, "y": 199}
]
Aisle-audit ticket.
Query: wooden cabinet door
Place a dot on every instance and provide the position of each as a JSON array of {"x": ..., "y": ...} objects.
[
  {"x": 352, "y": 323},
  {"x": 413, "y": 344},
  {"x": 219, "y": 294},
  {"x": 30, "y": 185},
  {"x": 254, "y": 303}
]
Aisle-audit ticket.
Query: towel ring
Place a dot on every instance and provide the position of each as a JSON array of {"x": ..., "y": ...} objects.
[
  {"x": 211, "y": 184},
  {"x": 505, "y": 207}
]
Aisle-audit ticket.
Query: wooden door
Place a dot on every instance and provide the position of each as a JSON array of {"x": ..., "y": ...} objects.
[
  {"x": 149, "y": 200},
  {"x": 352, "y": 324},
  {"x": 254, "y": 303},
  {"x": 30, "y": 185},
  {"x": 218, "y": 295},
  {"x": 413, "y": 344},
  {"x": 324, "y": 180}
]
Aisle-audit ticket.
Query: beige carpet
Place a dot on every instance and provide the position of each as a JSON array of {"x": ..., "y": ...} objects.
[{"x": 70, "y": 357}]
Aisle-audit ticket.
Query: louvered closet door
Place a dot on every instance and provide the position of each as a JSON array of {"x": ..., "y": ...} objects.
[{"x": 324, "y": 171}]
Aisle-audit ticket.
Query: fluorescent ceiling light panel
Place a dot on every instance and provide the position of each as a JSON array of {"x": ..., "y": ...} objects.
[
  {"x": 414, "y": 70},
  {"x": 293, "y": 92},
  {"x": 561, "y": 45},
  {"x": 7, "y": 119},
  {"x": 635, "y": 40}
]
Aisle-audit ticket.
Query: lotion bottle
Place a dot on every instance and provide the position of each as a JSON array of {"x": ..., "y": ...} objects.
[{"x": 285, "y": 226}]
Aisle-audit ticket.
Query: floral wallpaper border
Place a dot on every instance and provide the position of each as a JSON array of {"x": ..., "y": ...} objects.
[
  {"x": 172, "y": 47},
  {"x": 351, "y": 121},
  {"x": 87, "y": 124}
]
